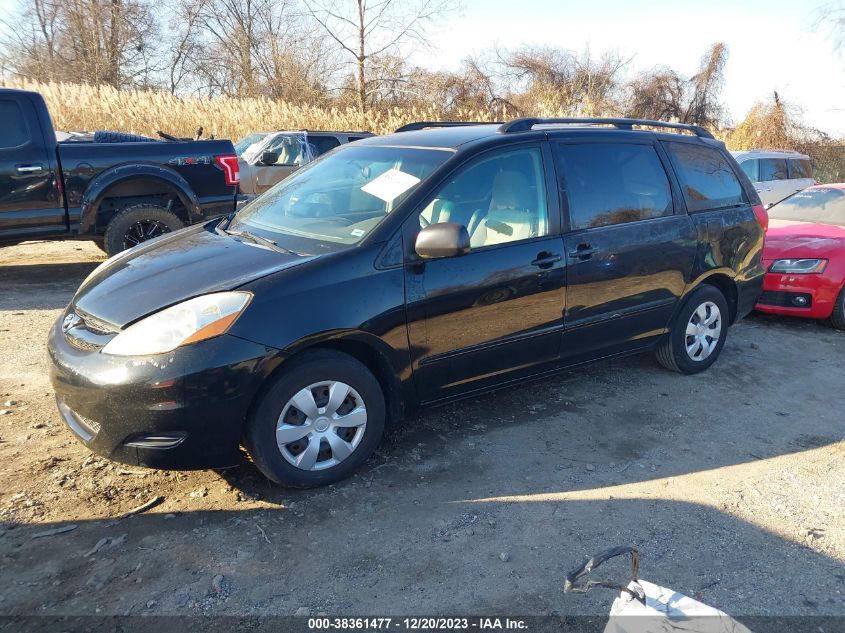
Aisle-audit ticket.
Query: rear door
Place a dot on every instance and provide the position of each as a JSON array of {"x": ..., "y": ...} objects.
[
  {"x": 774, "y": 184},
  {"x": 30, "y": 198},
  {"x": 629, "y": 247}
]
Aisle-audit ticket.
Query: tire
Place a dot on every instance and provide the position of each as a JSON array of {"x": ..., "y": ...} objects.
[
  {"x": 837, "y": 317},
  {"x": 708, "y": 302},
  {"x": 315, "y": 450},
  {"x": 137, "y": 224}
]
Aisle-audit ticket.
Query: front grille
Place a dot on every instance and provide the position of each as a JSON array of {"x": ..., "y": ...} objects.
[
  {"x": 95, "y": 325},
  {"x": 85, "y": 332},
  {"x": 786, "y": 299}
]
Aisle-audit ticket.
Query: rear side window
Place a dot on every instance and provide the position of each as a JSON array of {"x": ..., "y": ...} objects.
[
  {"x": 707, "y": 179},
  {"x": 751, "y": 169},
  {"x": 13, "y": 128},
  {"x": 323, "y": 143},
  {"x": 773, "y": 169},
  {"x": 614, "y": 183},
  {"x": 800, "y": 168}
]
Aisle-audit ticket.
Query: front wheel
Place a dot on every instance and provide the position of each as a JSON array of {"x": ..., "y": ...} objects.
[
  {"x": 317, "y": 422},
  {"x": 697, "y": 334},
  {"x": 837, "y": 318}
]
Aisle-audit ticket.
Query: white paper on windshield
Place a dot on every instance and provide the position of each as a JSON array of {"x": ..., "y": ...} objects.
[{"x": 390, "y": 185}]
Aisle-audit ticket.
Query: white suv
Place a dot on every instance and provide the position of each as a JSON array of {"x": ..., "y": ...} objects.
[{"x": 776, "y": 174}]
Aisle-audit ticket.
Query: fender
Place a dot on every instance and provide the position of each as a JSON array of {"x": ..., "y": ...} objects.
[
  {"x": 722, "y": 272},
  {"x": 98, "y": 189},
  {"x": 393, "y": 368}
]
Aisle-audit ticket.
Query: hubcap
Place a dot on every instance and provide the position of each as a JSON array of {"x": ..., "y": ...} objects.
[
  {"x": 703, "y": 331},
  {"x": 142, "y": 231},
  {"x": 321, "y": 425}
]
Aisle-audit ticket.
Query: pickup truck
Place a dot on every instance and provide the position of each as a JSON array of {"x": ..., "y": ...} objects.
[{"x": 116, "y": 189}]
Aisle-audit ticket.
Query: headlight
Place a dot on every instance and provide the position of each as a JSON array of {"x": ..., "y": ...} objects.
[
  {"x": 798, "y": 266},
  {"x": 191, "y": 321}
]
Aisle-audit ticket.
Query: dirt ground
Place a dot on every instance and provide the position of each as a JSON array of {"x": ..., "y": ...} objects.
[{"x": 730, "y": 483}]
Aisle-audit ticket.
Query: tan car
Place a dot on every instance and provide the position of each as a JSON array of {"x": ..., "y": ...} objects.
[{"x": 266, "y": 158}]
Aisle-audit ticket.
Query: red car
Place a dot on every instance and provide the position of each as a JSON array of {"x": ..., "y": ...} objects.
[{"x": 804, "y": 256}]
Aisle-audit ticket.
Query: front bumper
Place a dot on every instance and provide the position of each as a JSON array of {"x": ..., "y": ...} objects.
[
  {"x": 782, "y": 292},
  {"x": 181, "y": 410}
]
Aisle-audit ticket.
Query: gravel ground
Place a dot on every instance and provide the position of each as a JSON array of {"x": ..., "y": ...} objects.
[{"x": 731, "y": 484}]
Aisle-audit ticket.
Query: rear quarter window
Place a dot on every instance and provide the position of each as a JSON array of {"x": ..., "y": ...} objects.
[
  {"x": 707, "y": 178},
  {"x": 13, "y": 129}
]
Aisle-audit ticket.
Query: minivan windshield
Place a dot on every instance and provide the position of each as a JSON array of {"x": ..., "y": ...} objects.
[
  {"x": 337, "y": 200},
  {"x": 824, "y": 205}
]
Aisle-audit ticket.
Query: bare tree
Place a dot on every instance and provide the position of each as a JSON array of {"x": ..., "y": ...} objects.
[
  {"x": 367, "y": 30},
  {"x": 562, "y": 81},
  {"x": 831, "y": 17},
  {"x": 101, "y": 42},
  {"x": 663, "y": 94}
]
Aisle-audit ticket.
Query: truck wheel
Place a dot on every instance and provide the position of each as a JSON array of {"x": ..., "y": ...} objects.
[{"x": 136, "y": 224}]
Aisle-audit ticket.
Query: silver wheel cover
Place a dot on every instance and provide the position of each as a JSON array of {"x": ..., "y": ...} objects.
[
  {"x": 321, "y": 425},
  {"x": 703, "y": 331}
]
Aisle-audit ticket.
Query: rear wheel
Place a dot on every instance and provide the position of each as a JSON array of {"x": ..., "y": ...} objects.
[
  {"x": 837, "y": 318},
  {"x": 317, "y": 422},
  {"x": 137, "y": 224},
  {"x": 698, "y": 333}
]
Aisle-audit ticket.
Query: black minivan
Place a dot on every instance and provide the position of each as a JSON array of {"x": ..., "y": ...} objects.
[{"x": 405, "y": 270}]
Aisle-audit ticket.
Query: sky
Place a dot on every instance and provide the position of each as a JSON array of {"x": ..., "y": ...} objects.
[{"x": 773, "y": 44}]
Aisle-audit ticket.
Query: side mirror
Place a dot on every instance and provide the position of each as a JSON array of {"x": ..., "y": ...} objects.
[
  {"x": 269, "y": 158},
  {"x": 442, "y": 240}
]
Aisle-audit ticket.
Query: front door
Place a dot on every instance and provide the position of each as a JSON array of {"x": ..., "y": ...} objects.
[
  {"x": 30, "y": 199},
  {"x": 293, "y": 152},
  {"x": 496, "y": 313},
  {"x": 628, "y": 253}
]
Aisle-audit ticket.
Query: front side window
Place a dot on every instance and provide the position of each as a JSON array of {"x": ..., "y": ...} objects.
[
  {"x": 337, "y": 200},
  {"x": 773, "y": 169},
  {"x": 13, "y": 128},
  {"x": 751, "y": 168},
  {"x": 499, "y": 198},
  {"x": 613, "y": 183},
  {"x": 707, "y": 179},
  {"x": 292, "y": 149},
  {"x": 800, "y": 168}
]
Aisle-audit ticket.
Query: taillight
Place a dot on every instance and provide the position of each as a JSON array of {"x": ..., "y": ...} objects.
[
  {"x": 231, "y": 170},
  {"x": 762, "y": 216}
]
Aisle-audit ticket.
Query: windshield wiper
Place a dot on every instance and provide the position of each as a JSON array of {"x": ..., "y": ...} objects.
[{"x": 257, "y": 239}]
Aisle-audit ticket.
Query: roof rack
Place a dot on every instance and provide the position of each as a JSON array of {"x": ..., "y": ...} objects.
[
  {"x": 421, "y": 125},
  {"x": 526, "y": 124}
]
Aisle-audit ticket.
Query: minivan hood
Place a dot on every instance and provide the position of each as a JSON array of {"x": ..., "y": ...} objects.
[{"x": 188, "y": 263}]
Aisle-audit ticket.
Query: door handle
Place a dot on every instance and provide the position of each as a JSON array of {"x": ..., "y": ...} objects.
[
  {"x": 546, "y": 260},
  {"x": 29, "y": 169},
  {"x": 583, "y": 251}
]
